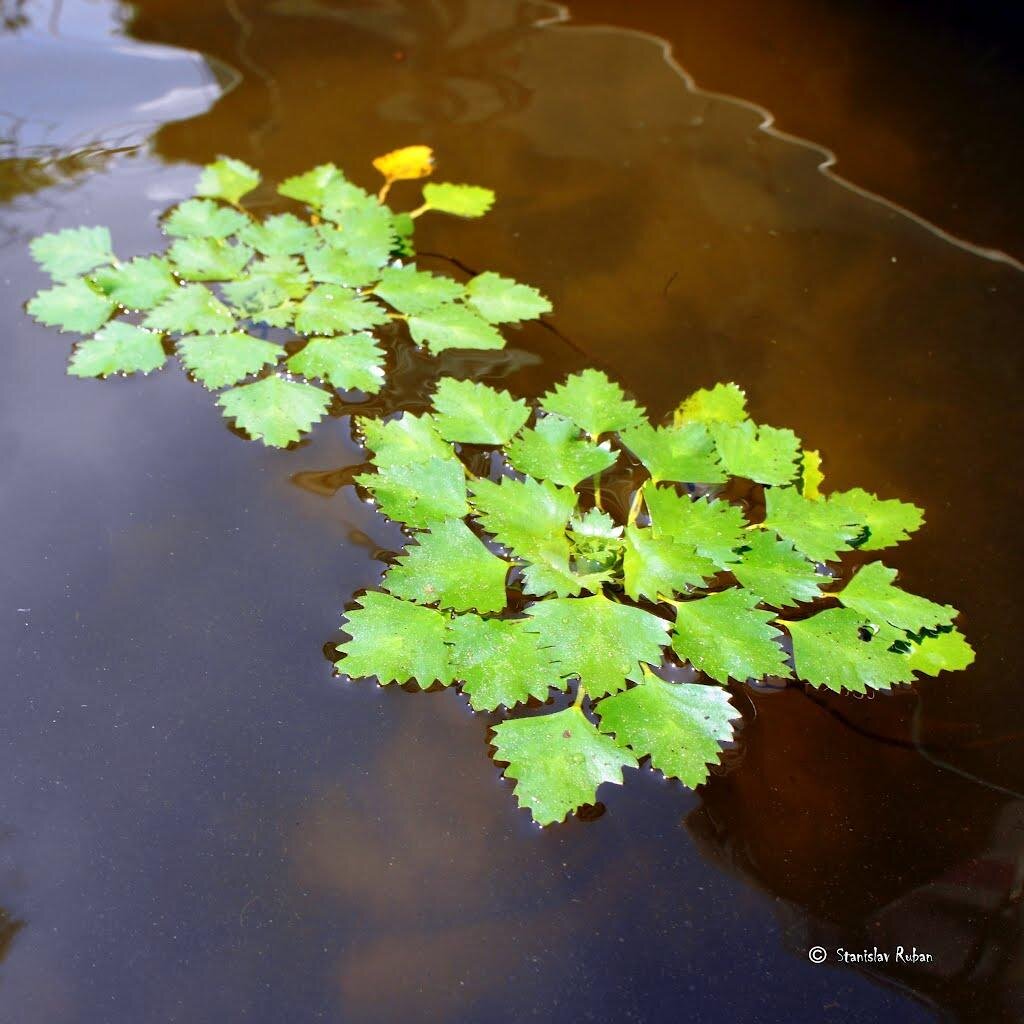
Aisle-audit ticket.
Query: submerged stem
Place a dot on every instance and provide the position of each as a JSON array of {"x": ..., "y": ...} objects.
[
  {"x": 596, "y": 478},
  {"x": 634, "y": 509}
]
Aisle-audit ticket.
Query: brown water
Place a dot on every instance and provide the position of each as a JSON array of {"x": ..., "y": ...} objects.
[{"x": 201, "y": 825}]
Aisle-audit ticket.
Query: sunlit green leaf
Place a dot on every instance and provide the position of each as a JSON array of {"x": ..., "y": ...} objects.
[
  {"x": 888, "y": 521},
  {"x": 775, "y": 571},
  {"x": 602, "y": 642},
  {"x": 345, "y": 362},
  {"x": 555, "y": 450},
  {"x": 142, "y": 283},
  {"x": 449, "y": 566},
  {"x": 766, "y": 455},
  {"x": 872, "y": 593},
  {"x": 367, "y": 232},
  {"x": 474, "y": 413},
  {"x": 73, "y": 306},
  {"x": 228, "y": 179},
  {"x": 685, "y": 454},
  {"x": 724, "y": 403},
  {"x": 191, "y": 309},
  {"x": 73, "y": 251},
  {"x": 312, "y": 186},
  {"x": 335, "y": 266},
  {"x": 837, "y": 649},
  {"x": 661, "y": 565},
  {"x": 419, "y": 493},
  {"x": 947, "y": 651},
  {"x": 811, "y": 476},
  {"x": 593, "y": 403},
  {"x": 714, "y": 528},
  {"x": 681, "y": 726},
  {"x": 216, "y": 360},
  {"x": 275, "y": 410},
  {"x": 558, "y": 761},
  {"x": 415, "y": 291},
  {"x": 118, "y": 348},
  {"x": 499, "y": 662},
  {"x": 203, "y": 218},
  {"x": 522, "y": 514},
  {"x": 207, "y": 259},
  {"x": 404, "y": 439},
  {"x": 334, "y": 309},
  {"x": 500, "y": 300},
  {"x": 460, "y": 200},
  {"x": 281, "y": 235},
  {"x": 820, "y": 529},
  {"x": 726, "y": 636},
  {"x": 394, "y": 641},
  {"x": 453, "y": 326}
]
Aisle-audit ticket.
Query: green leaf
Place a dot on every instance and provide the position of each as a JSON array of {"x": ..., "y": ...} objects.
[
  {"x": 73, "y": 251},
  {"x": 725, "y": 636},
  {"x": 266, "y": 293},
  {"x": 499, "y": 662},
  {"x": 350, "y": 361},
  {"x": 558, "y": 761},
  {"x": 203, "y": 218},
  {"x": 227, "y": 179},
  {"x": 715, "y": 528},
  {"x": 313, "y": 186},
  {"x": 274, "y": 410},
  {"x": 216, "y": 360},
  {"x": 449, "y": 567},
  {"x": 419, "y": 493},
  {"x": 280, "y": 235},
  {"x": 191, "y": 309},
  {"x": 820, "y": 529},
  {"x": 766, "y": 455},
  {"x": 593, "y": 403},
  {"x": 500, "y": 300},
  {"x": 404, "y": 439},
  {"x": 836, "y": 649},
  {"x": 459, "y": 200},
  {"x": 335, "y": 266},
  {"x": 395, "y": 641},
  {"x": 724, "y": 403},
  {"x": 888, "y": 521},
  {"x": 416, "y": 291},
  {"x": 342, "y": 200},
  {"x": 334, "y": 309},
  {"x": 207, "y": 259},
  {"x": 453, "y": 326},
  {"x": 681, "y": 726},
  {"x": 118, "y": 348},
  {"x": 945, "y": 652},
  {"x": 73, "y": 306},
  {"x": 367, "y": 232},
  {"x": 523, "y": 514},
  {"x": 775, "y": 571},
  {"x": 660, "y": 565},
  {"x": 555, "y": 450},
  {"x": 685, "y": 454},
  {"x": 871, "y": 593},
  {"x": 546, "y": 570},
  {"x": 141, "y": 283},
  {"x": 602, "y": 642},
  {"x": 473, "y": 413}
]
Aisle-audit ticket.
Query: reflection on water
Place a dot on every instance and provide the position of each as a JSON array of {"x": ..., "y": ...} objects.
[{"x": 206, "y": 827}]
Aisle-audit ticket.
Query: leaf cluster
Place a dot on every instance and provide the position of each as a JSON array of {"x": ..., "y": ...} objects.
[
  {"x": 518, "y": 585},
  {"x": 278, "y": 313}
]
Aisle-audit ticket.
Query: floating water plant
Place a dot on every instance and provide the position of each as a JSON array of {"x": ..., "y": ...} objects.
[
  {"x": 597, "y": 579},
  {"x": 267, "y": 308},
  {"x": 517, "y": 583}
]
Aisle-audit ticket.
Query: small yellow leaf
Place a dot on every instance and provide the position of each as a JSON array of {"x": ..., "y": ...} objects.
[
  {"x": 406, "y": 164},
  {"x": 813, "y": 477}
]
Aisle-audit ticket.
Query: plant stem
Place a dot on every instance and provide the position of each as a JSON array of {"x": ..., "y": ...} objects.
[
  {"x": 581, "y": 692},
  {"x": 384, "y": 190},
  {"x": 597, "y": 478},
  {"x": 634, "y": 509},
  {"x": 420, "y": 210}
]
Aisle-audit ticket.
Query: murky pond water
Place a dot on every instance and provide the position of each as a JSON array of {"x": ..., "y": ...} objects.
[{"x": 200, "y": 824}]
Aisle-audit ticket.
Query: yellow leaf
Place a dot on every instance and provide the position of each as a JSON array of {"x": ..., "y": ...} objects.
[
  {"x": 405, "y": 164},
  {"x": 813, "y": 477}
]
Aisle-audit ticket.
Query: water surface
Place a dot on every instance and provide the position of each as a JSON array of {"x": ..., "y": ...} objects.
[{"x": 201, "y": 824}]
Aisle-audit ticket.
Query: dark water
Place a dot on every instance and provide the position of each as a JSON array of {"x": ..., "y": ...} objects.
[{"x": 201, "y": 825}]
